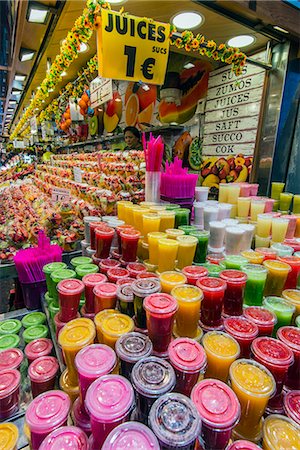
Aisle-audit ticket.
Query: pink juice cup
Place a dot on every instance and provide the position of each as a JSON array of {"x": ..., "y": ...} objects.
[
  {"x": 160, "y": 315},
  {"x": 291, "y": 337},
  {"x": 132, "y": 435},
  {"x": 92, "y": 362},
  {"x": 241, "y": 444},
  {"x": 116, "y": 274},
  {"x": 263, "y": 318},
  {"x": 243, "y": 330},
  {"x": 105, "y": 296},
  {"x": 93, "y": 226},
  {"x": 46, "y": 413},
  {"x": 11, "y": 358},
  {"x": 291, "y": 403},
  {"x": 90, "y": 280},
  {"x": 129, "y": 244},
  {"x": 104, "y": 240},
  {"x": 10, "y": 380},
  {"x": 122, "y": 281},
  {"x": 119, "y": 230},
  {"x": 42, "y": 373},
  {"x": 109, "y": 401},
  {"x": 37, "y": 348},
  {"x": 135, "y": 269},
  {"x": 189, "y": 361},
  {"x": 80, "y": 417},
  {"x": 219, "y": 410},
  {"x": 66, "y": 437},
  {"x": 194, "y": 273},
  {"x": 69, "y": 293},
  {"x": 108, "y": 263}
]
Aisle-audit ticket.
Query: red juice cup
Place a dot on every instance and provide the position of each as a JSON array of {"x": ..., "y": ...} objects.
[
  {"x": 42, "y": 373},
  {"x": 189, "y": 361},
  {"x": 243, "y": 330},
  {"x": 291, "y": 403},
  {"x": 130, "y": 348},
  {"x": 194, "y": 273},
  {"x": 108, "y": 263},
  {"x": 276, "y": 357},
  {"x": 103, "y": 242},
  {"x": 116, "y": 274},
  {"x": 69, "y": 293},
  {"x": 90, "y": 281},
  {"x": 133, "y": 435},
  {"x": 105, "y": 296},
  {"x": 109, "y": 401},
  {"x": 122, "y": 281},
  {"x": 46, "y": 413},
  {"x": 135, "y": 269},
  {"x": 241, "y": 444},
  {"x": 66, "y": 437},
  {"x": 11, "y": 358},
  {"x": 212, "y": 303},
  {"x": 85, "y": 314},
  {"x": 292, "y": 278},
  {"x": 219, "y": 410},
  {"x": 291, "y": 337},
  {"x": 263, "y": 318},
  {"x": 10, "y": 380},
  {"x": 80, "y": 417},
  {"x": 129, "y": 244},
  {"x": 142, "y": 275},
  {"x": 93, "y": 226},
  {"x": 160, "y": 315},
  {"x": 268, "y": 253},
  {"x": 37, "y": 348},
  {"x": 234, "y": 293},
  {"x": 91, "y": 363},
  {"x": 119, "y": 230}
]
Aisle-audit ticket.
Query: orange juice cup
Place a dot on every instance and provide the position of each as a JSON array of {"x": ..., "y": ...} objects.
[
  {"x": 293, "y": 296},
  {"x": 253, "y": 257},
  {"x": 114, "y": 326},
  {"x": 153, "y": 239},
  {"x": 167, "y": 220},
  {"x": 121, "y": 205},
  {"x": 277, "y": 274},
  {"x": 173, "y": 233},
  {"x": 138, "y": 217},
  {"x": 188, "y": 314},
  {"x": 128, "y": 213},
  {"x": 280, "y": 432},
  {"x": 171, "y": 279},
  {"x": 99, "y": 319},
  {"x": 253, "y": 385},
  {"x": 167, "y": 254},
  {"x": 186, "y": 250},
  {"x": 151, "y": 222}
]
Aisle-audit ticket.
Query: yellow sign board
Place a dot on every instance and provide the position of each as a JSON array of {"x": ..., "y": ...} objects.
[{"x": 132, "y": 48}]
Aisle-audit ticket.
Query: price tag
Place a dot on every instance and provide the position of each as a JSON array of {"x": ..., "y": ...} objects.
[
  {"x": 77, "y": 174},
  {"x": 101, "y": 91},
  {"x": 60, "y": 194}
]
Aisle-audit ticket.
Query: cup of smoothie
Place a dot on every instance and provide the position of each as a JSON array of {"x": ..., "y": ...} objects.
[
  {"x": 281, "y": 308},
  {"x": 130, "y": 348},
  {"x": 171, "y": 279},
  {"x": 42, "y": 373},
  {"x": 48, "y": 269},
  {"x": 105, "y": 296},
  {"x": 194, "y": 273},
  {"x": 64, "y": 437},
  {"x": 212, "y": 303},
  {"x": 292, "y": 278},
  {"x": 280, "y": 432},
  {"x": 69, "y": 293},
  {"x": 59, "y": 275},
  {"x": 10, "y": 326},
  {"x": 113, "y": 326},
  {"x": 293, "y": 297},
  {"x": 103, "y": 242},
  {"x": 129, "y": 244},
  {"x": 290, "y": 336},
  {"x": 141, "y": 289},
  {"x": 11, "y": 358},
  {"x": 90, "y": 281},
  {"x": 234, "y": 292},
  {"x": 255, "y": 284},
  {"x": 187, "y": 318},
  {"x": 9, "y": 435},
  {"x": 263, "y": 318},
  {"x": 277, "y": 275},
  {"x": 134, "y": 435},
  {"x": 10, "y": 380},
  {"x": 243, "y": 330},
  {"x": 117, "y": 273}
]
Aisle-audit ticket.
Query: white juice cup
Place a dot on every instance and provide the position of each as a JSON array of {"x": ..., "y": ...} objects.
[
  {"x": 198, "y": 214},
  {"x": 224, "y": 211},
  {"x": 248, "y": 236},
  {"x": 233, "y": 240},
  {"x": 201, "y": 193},
  {"x": 210, "y": 214},
  {"x": 217, "y": 234}
]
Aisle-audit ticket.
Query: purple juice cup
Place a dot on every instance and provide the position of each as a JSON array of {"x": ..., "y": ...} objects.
[
  {"x": 66, "y": 437},
  {"x": 80, "y": 417},
  {"x": 131, "y": 435},
  {"x": 10, "y": 380},
  {"x": 42, "y": 373}
]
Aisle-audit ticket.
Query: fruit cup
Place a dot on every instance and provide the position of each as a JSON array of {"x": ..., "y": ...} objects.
[
  {"x": 130, "y": 348},
  {"x": 186, "y": 250},
  {"x": 292, "y": 278},
  {"x": 167, "y": 254},
  {"x": 69, "y": 293},
  {"x": 243, "y": 330},
  {"x": 103, "y": 242},
  {"x": 212, "y": 303},
  {"x": 10, "y": 380},
  {"x": 277, "y": 275},
  {"x": 281, "y": 308},
  {"x": 105, "y": 296},
  {"x": 129, "y": 244},
  {"x": 90, "y": 281},
  {"x": 113, "y": 326},
  {"x": 141, "y": 289},
  {"x": 194, "y": 273},
  {"x": 187, "y": 317},
  {"x": 263, "y": 318},
  {"x": 280, "y": 432},
  {"x": 234, "y": 292},
  {"x": 290, "y": 336},
  {"x": 153, "y": 239},
  {"x": 42, "y": 374},
  {"x": 202, "y": 244}
]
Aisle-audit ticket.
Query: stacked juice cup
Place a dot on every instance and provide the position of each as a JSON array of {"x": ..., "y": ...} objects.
[
  {"x": 153, "y": 239},
  {"x": 189, "y": 300},
  {"x": 130, "y": 348},
  {"x": 167, "y": 254},
  {"x": 186, "y": 250}
]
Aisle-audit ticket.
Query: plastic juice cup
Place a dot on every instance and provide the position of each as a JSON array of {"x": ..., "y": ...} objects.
[
  {"x": 171, "y": 279},
  {"x": 64, "y": 437},
  {"x": 291, "y": 403},
  {"x": 167, "y": 254},
  {"x": 243, "y": 330},
  {"x": 35, "y": 332},
  {"x": 151, "y": 222},
  {"x": 253, "y": 257},
  {"x": 11, "y": 358},
  {"x": 276, "y": 189},
  {"x": 59, "y": 275},
  {"x": 93, "y": 227},
  {"x": 263, "y": 318},
  {"x": 80, "y": 417},
  {"x": 213, "y": 269},
  {"x": 285, "y": 200},
  {"x": 108, "y": 263},
  {"x": 292, "y": 278},
  {"x": 105, "y": 296},
  {"x": 173, "y": 233},
  {"x": 48, "y": 299},
  {"x": 296, "y": 204},
  {"x": 125, "y": 299},
  {"x": 223, "y": 193},
  {"x": 253, "y": 385},
  {"x": 262, "y": 242},
  {"x": 119, "y": 230},
  {"x": 194, "y": 273},
  {"x": 234, "y": 293},
  {"x": 86, "y": 269},
  {"x": 281, "y": 308},
  {"x": 279, "y": 229},
  {"x": 243, "y": 206},
  {"x": 153, "y": 239},
  {"x": 282, "y": 250},
  {"x": 69, "y": 293},
  {"x": 135, "y": 268},
  {"x": 138, "y": 212},
  {"x": 75, "y": 335},
  {"x": 37, "y": 348},
  {"x": 187, "y": 229},
  {"x": 129, "y": 244},
  {"x": 99, "y": 319},
  {"x": 182, "y": 217},
  {"x": 116, "y": 274},
  {"x": 10, "y": 380},
  {"x": 9, "y": 435},
  {"x": 112, "y": 327},
  {"x": 45, "y": 414},
  {"x": 233, "y": 193},
  {"x": 121, "y": 205},
  {"x": 109, "y": 401},
  {"x": 268, "y": 253},
  {"x": 186, "y": 250},
  {"x": 293, "y": 297},
  {"x": 264, "y": 225},
  {"x": 175, "y": 422},
  {"x": 234, "y": 262},
  {"x": 160, "y": 315},
  {"x": 241, "y": 444},
  {"x": 212, "y": 303},
  {"x": 10, "y": 326},
  {"x": 257, "y": 207},
  {"x": 80, "y": 260},
  {"x": 48, "y": 269},
  {"x": 147, "y": 274},
  {"x": 128, "y": 209},
  {"x": 66, "y": 386},
  {"x": 219, "y": 410},
  {"x": 280, "y": 432},
  {"x": 290, "y": 336},
  {"x": 90, "y": 281},
  {"x": 151, "y": 378},
  {"x": 141, "y": 289},
  {"x": 42, "y": 373},
  {"x": 103, "y": 242},
  {"x": 33, "y": 319},
  {"x": 9, "y": 341},
  {"x": 187, "y": 317},
  {"x": 130, "y": 348},
  {"x": 221, "y": 350},
  {"x": 167, "y": 220},
  {"x": 202, "y": 244},
  {"x": 277, "y": 275},
  {"x": 189, "y": 362},
  {"x": 132, "y": 434}
]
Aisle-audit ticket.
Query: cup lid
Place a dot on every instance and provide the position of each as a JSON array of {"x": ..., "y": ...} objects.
[
  {"x": 252, "y": 377},
  {"x": 105, "y": 289},
  {"x": 91, "y": 279},
  {"x": 172, "y": 277},
  {"x": 292, "y": 295},
  {"x": 233, "y": 276},
  {"x": 79, "y": 260},
  {"x": 11, "y": 358},
  {"x": 136, "y": 267},
  {"x": 272, "y": 351},
  {"x": 291, "y": 402},
  {"x": 66, "y": 437},
  {"x": 124, "y": 293},
  {"x": 95, "y": 360},
  {"x": 122, "y": 281},
  {"x": 47, "y": 411},
  {"x": 104, "y": 231},
  {"x": 216, "y": 403},
  {"x": 9, "y": 435},
  {"x": 70, "y": 287},
  {"x": 240, "y": 327},
  {"x": 260, "y": 315},
  {"x": 77, "y": 332},
  {"x": 175, "y": 420},
  {"x": 109, "y": 263},
  {"x": 9, "y": 341},
  {"x": 10, "y": 326},
  {"x": 131, "y": 435},
  {"x": 187, "y": 354},
  {"x": 280, "y": 432},
  {"x": 290, "y": 336},
  {"x": 62, "y": 274},
  {"x": 256, "y": 269},
  {"x": 187, "y": 293},
  {"x": 238, "y": 259},
  {"x": 51, "y": 267},
  {"x": 278, "y": 304},
  {"x": 243, "y": 445},
  {"x": 160, "y": 304},
  {"x": 221, "y": 344},
  {"x": 210, "y": 284},
  {"x": 118, "y": 272},
  {"x": 290, "y": 260},
  {"x": 84, "y": 269},
  {"x": 130, "y": 233},
  {"x": 43, "y": 369},
  {"x": 110, "y": 397},
  {"x": 195, "y": 272},
  {"x": 33, "y": 319},
  {"x": 133, "y": 346},
  {"x": 89, "y": 219},
  {"x": 9, "y": 381},
  {"x": 146, "y": 286},
  {"x": 153, "y": 376},
  {"x": 38, "y": 347},
  {"x": 187, "y": 240},
  {"x": 277, "y": 265},
  {"x": 117, "y": 324},
  {"x": 35, "y": 332}
]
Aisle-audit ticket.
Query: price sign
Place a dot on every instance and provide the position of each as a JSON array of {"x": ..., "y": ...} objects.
[
  {"x": 101, "y": 91},
  {"x": 60, "y": 194},
  {"x": 132, "y": 48}
]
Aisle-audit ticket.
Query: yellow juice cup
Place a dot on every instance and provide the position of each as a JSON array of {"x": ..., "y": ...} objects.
[
  {"x": 276, "y": 278},
  {"x": 167, "y": 254},
  {"x": 221, "y": 350},
  {"x": 186, "y": 250},
  {"x": 243, "y": 206},
  {"x": 280, "y": 433},
  {"x": 262, "y": 241},
  {"x": 253, "y": 257},
  {"x": 121, "y": 205},
  {"x": 254, "y": 385},
  {"x": 171, "y": 279},
  {"x": 9, "y": 435},
  {"x": 146, "y": 205},
  {"x": 264, "y": 225},
  {"x": 99, "y": 319},
  {"x": 167, "y": 220},
  {"x": 187, "y": 317},
  {"x": 128, "y": 213},
  {"x": 233, "y": 193},
  {"x": 223, "y": 193},
  {"x": 137, "y": 213},
  {"x": 153, "y": 239},
  {"x": 296, "y": 204},
  {"x": 257, "y": 207},
  {"x": 276, "y": 189},
  {"x": 66, "y": 386},
  {"x": 173, "y": 233},
  {"x": 114, "y": 326},
  {"x": 279, "y": 229},
  {"x": 75, "y": 335},
  {"x": 157, "y": 208},
  {"x": 151, "y": 222},
  {"x": 285, "y": 201},
  {"x": 293, "y": 296}
]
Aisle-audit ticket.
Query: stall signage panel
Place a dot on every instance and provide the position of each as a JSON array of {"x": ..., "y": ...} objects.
[
  {"x": 60, "y": 194},
  {"x": 132, "y": 48},
  {"x": 101, "y": 91},
  {"x": 232, "y": 111}
]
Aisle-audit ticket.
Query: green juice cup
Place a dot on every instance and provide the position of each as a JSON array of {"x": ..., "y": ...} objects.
[
  {"x": 48, "y": 298},
  {"x": 10, "y": 326},
  {"x": 213, "y": 269},
  {"x": 234, "y": 262},
  {"x": 48, "y": 269},
  {"x": 282, "y": 309},
  {"x": 33, "y": 319},
  {"x": 57, "y": 276},
  {"x": 86, "y": 269},
  {"x": 80, "y": 260},
  {"x": 9, "y": 341},
  {"x": 257, "y": 275},
  {"x": 276, "y": 189},
  {"x": 188, "y": 229},
  {"x": 35, "y": 332},
  {"x": 182, "y": 217},
  {"x": 53, "y": 309},
  {"x": 201, "y": 249}
]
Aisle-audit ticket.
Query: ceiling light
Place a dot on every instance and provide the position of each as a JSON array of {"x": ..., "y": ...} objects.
[
  {"x": 26, "y": 54},
  {"x": 63, "y": 74},
  {"x": 10, "y": 110},
  {"x": 83, "y": 47},
  {"x": 187, "y": 20},
  {"x": 282, "y": 30},
  {"x": 189, "y": 65},
  {"x": 20, "y": 77},
  {"x": 16, "y": 92},
  {"x": 117, "y": 2},
  {"x": 241, "y": 41},
  {"x": 12, "y": 102},
  {"x": 37, "y": 13}
]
